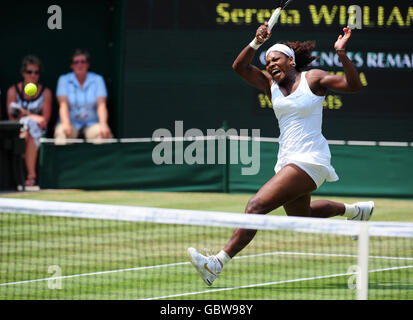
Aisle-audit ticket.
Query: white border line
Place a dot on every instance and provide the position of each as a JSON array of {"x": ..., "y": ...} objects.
[
  {"x": 393, "y": 144},
  {"x": 230, "y": 137},
  {"x": 94, "y": 273},
  {"x": 133, "y": 140},
  {"x": 361, "y": 143},
  {"x": 337, "y": 142},
  {"x": 272, "y": 283},
  {"x": 185, "y": 263}
]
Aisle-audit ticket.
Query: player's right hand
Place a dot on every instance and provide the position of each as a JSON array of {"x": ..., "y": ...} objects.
[{"x": 262, "y": 33}]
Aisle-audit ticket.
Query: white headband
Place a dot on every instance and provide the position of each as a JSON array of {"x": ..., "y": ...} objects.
[{"x": 282, "y": 48}]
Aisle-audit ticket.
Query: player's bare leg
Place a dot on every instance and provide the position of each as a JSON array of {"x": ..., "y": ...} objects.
[
  {"x": 304, "y": 207},
  {"x": 288, "y": 184},
  {"x": 291, "y": 187}
]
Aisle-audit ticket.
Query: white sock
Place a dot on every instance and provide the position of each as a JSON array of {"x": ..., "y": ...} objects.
[
  {"x": 351, "y": 210},
  {"x": 223, "y": 257}
]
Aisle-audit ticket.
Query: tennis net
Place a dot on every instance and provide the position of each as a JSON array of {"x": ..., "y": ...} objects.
[{"x": 62, "y": 250}]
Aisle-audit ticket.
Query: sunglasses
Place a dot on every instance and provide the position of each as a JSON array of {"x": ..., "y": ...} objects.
[
  {"x": 79, "y": 62},
  {"x": 32, "y": 71}
]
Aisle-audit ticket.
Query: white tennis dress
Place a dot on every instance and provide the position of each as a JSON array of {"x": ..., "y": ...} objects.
[{"x": 301, "y": 141}]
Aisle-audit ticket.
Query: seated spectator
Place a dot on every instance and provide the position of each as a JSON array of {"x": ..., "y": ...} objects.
[
  {"x": 33, "y": 112},
  {"x": 82, "y": 102}
]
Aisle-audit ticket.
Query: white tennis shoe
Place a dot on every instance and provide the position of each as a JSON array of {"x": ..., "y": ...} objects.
[
  {"x": 208, "y": 267},
  {"x": 365, "y": 211}
]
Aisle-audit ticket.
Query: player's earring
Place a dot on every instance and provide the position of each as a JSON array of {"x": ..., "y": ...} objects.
[{"x": 293, "y": 64}]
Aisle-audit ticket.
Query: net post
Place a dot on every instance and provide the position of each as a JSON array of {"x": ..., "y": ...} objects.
[
  {"x": 225, "y": 175},
  {"x": 363, "y": 262}
]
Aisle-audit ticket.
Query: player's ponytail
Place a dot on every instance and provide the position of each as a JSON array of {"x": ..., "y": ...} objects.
[{"x": 302, "y": 51}]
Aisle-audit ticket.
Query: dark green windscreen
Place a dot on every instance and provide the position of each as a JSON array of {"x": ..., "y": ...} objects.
[{"x": 179, "y": 53}]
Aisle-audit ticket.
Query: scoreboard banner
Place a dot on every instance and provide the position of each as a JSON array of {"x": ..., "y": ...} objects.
[{"x": 204, "y": 36}]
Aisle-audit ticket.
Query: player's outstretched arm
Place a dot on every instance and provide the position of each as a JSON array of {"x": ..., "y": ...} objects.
[
  {"x": 350, "y": 81},
  {"x": 250, "y": 73}
]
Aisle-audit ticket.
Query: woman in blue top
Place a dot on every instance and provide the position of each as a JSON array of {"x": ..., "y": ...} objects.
[{"x": 82, "y": 102}]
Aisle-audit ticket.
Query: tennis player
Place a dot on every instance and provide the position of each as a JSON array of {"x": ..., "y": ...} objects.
[{"x": 304, "y": 156}]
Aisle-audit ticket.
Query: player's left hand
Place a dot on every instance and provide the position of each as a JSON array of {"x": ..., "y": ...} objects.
[{"x": 342, "y": 40}]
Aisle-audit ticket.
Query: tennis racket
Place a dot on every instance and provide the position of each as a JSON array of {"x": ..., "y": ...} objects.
[{"x": 276, "y": 14}]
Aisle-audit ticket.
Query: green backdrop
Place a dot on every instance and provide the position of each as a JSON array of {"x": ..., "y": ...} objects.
[
  {"x": 178, "y": 66},
  {"x": 363, "y": 170}
]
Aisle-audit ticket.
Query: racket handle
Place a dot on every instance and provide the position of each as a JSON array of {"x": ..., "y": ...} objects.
[{"x": 274, "y": 18}]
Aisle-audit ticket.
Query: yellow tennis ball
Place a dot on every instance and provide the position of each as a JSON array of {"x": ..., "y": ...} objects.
[{"x": 30, "y": 89}]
